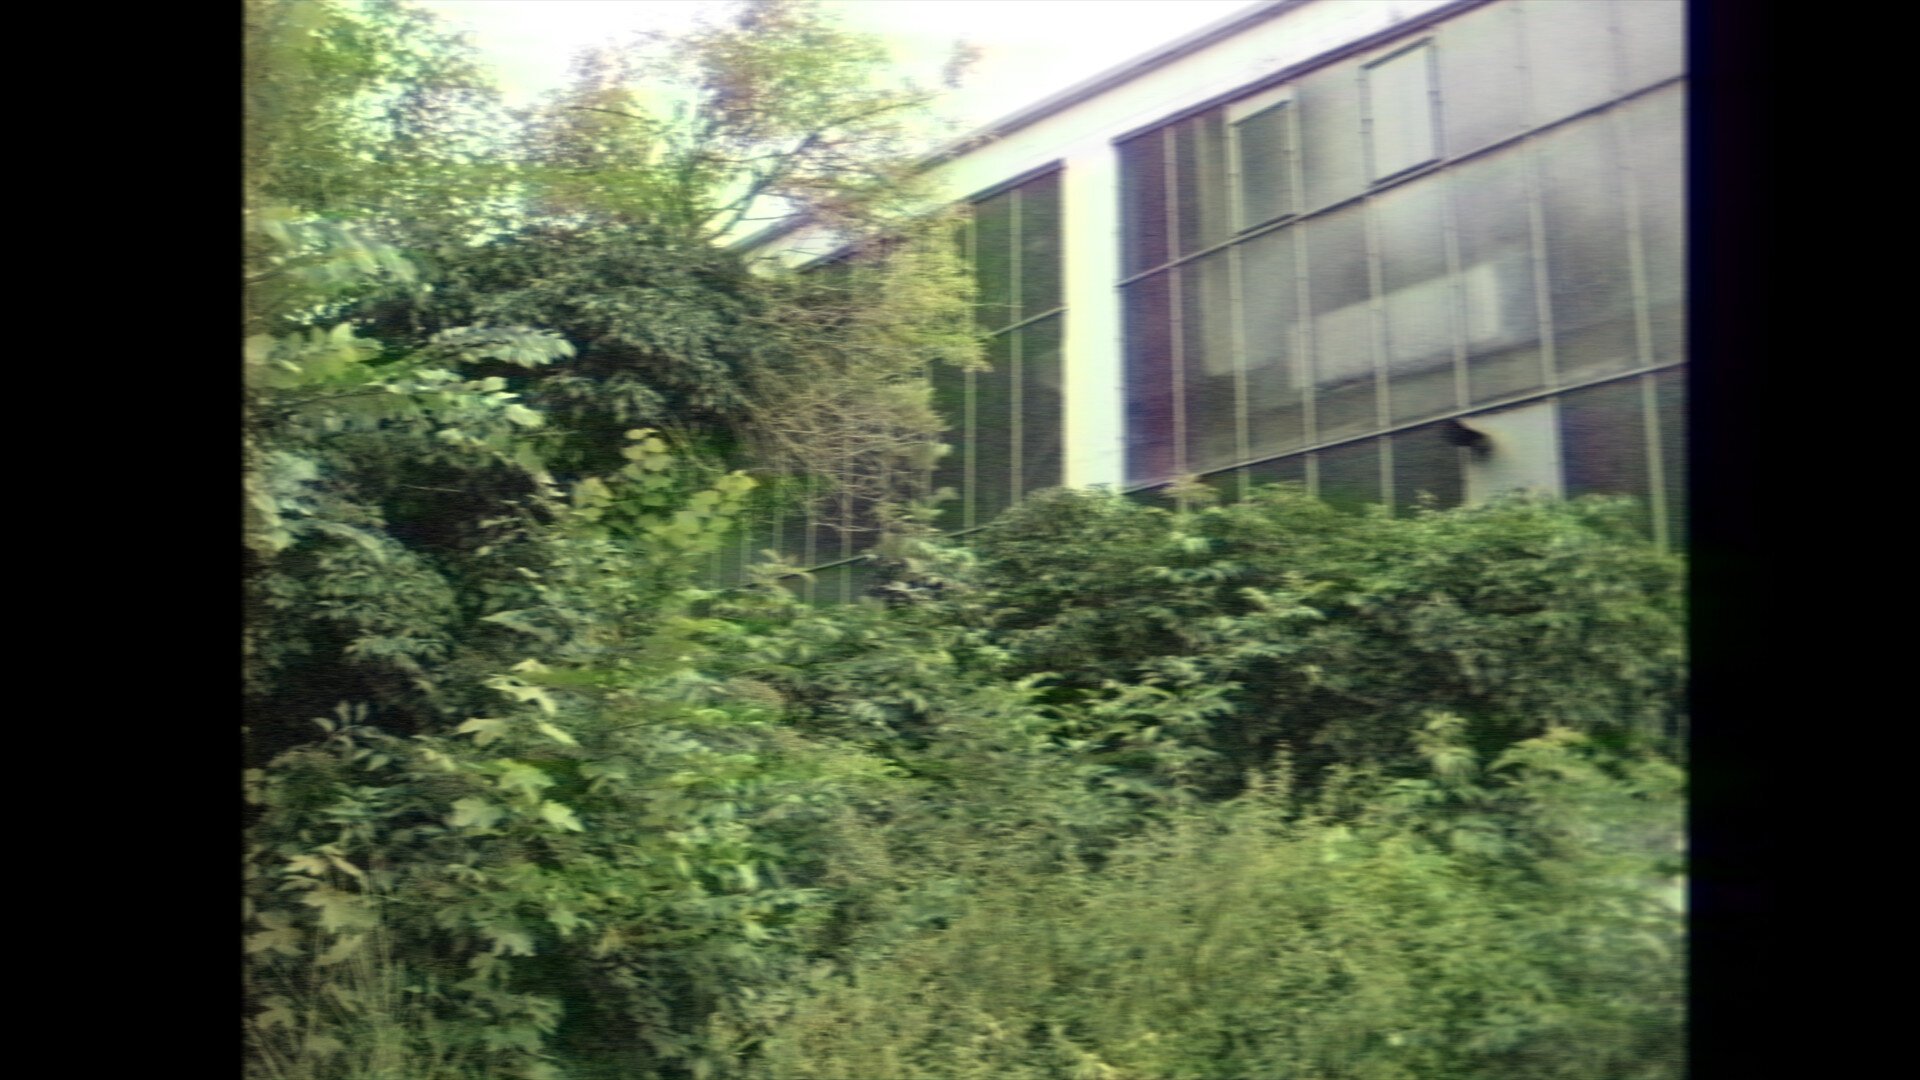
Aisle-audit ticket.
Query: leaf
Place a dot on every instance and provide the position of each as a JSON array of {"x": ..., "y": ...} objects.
[
  {"x": 474, "y": 814},
  {"x": 562, "y": 816},
  {"x": 340, "y": 911},
  {"x": 509, "y": 942},
  {"x": 516, "y": 775},
  {"x": 484, "y": 729},
  {"x": 556, "y": 734}
]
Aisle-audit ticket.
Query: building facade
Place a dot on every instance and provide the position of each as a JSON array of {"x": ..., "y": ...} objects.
[{"x": 1400, "y": 251}]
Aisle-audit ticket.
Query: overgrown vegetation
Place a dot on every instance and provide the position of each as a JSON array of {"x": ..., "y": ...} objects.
[{"x": 1117, "y": 791}]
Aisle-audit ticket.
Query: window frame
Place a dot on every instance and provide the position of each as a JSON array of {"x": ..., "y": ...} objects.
[{"x": 1430, "y": 68}]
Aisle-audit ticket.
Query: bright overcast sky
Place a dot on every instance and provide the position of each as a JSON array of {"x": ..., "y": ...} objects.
[{"x": 1029, "y": 48}]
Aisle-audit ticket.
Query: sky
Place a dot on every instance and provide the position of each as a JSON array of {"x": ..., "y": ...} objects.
[{"x": 1028, "y": 48}]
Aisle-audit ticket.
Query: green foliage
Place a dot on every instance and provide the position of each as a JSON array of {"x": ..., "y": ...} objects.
[
  {"x": 1275, "y": 937},
  {"x": 1331, "y": 634},
  {"x": 1119, "y": 792}
]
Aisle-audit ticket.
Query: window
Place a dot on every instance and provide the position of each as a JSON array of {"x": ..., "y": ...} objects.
[
  {"x": 1455, "y": 220},
  {"x": 1400, "y": 120},
  {"x": 1005, "y": 423}
]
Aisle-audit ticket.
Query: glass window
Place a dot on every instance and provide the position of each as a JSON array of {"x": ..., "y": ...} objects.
[
  {"x": 1343, "y": 375},
  {"x": 1329, "y": 103},
  {"x": 1656, "y": 129},
  {"x": 1200, "y": 181},
  {"x": 1270, "y": 329},
  {"x": 1589, "y": 282},
  {"x": 1149, "y": 379},
  {"x": 1482, "y": 78},
  {"x": 1350, "y": 475},
  {"x": 1570, "y": 56},
  {"x": 1400, "y": 120},
  {"x": 1143, "y": 202},
  {"x": 951, "y": 400},
  {"x": 993, "y": 431},
  {"x": 1427, "y": 469},
  {"x": 1417, "y": 298},
  {"x": 1041, "y": 414},
  {"x": 1496, "y": 275},
  {"x": 1653, "y": 41},
  {"x": 1265, "y": 145},
  {"x": 1208, "y": 363},
  {"x": 1603, "y": 444},
  {"x": 1039, "y": 246},
  {"x": 993, "y": 260}
]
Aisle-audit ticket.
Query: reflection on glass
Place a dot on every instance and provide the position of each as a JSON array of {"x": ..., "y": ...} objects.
[
  {"x": 1200, "y": 175},
  {"x": 1143, "y": 201},
  {"x": 1149, "y": 379},
  {"x": 1041, "y": 419},
  {"x": 1329, "y": 103},
  {"x": 1039, "y": 245},
  {"x": 1482, "y": 83},
  {"x": 1603, "y": 444},
  {"x": 1342, "y": 324},
  {"x": 1589, "y": 282},
  {"x": 1350, "y": 475},
  {"x": 1418, "y": 298},
  {"x": 1270, "y": 323},
  {"x": 1657, "y": 127},
  {"x": 993, "y": 260},
  {"x": 1266, "y": 168},
  {"x": 1207, "y": 360},
  {"x": 1570, "y": 56},
  {"x": 1496, "y": 260}
]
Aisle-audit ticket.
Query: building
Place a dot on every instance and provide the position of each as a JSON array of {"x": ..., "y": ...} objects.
[{"x": 1386, "y": 248}]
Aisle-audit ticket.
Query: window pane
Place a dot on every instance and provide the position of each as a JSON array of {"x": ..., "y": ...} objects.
[
  {"x": 950, "y": 401},
  {"x": 1586, "y": 240},
  {"x": 1342, "y": 324},
  {"x": 1654, "y": 39},
  {"x": 1350, "y": 475},
  {"x": 1287, "y": 470},
  {"x": 1603, "y": 443},
  {"x": 1208, "y": 363},
  {"x": 1329, "y": 103},
  {"x": 1400, "y": 112},
  {"x": 1143, "y": 201},
  {"x": 993, "y": 260},
  {"x": 1657, "y": 127},
  {"x": 1426, "y": 463},
  {"x": 1200, "y": 172},
  {"x": 993, "y": 432},
  {"x": 1496, "y": 262},
  {"x": 1149, "y": 380},
  {"x": 1266, "y": 166},
  {"x": 1418, "y": 298},
  {"x": 1670, "y": 392},
  {"x": 1270, "y": 328},
  {"x": 1482, "y": 82},
  {"x": 1040, "y": 245},
  {"x": 1570, "y": 56},
  {"x": 1041, "y": 417}
]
